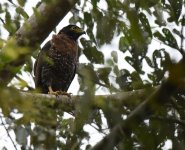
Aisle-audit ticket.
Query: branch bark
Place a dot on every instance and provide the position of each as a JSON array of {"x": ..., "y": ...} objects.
[
  {"x": 33, "y": 32},
  {"x": 64, "y": 103}
]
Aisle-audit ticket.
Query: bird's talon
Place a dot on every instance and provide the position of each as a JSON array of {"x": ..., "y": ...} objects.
[
  {"x": 56, "y": 93},
  {"x": 65, "y": 93}
]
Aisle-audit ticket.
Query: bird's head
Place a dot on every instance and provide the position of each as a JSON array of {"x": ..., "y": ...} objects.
[{"x": 72, "y": 31}]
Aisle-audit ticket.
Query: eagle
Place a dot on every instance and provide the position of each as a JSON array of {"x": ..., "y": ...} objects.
[{"x": 55, "y": 66}]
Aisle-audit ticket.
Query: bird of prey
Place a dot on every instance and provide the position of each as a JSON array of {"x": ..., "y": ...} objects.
[{"x": 55, "y": 66}]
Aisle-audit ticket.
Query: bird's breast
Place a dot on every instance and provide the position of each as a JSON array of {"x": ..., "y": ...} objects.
[
  {"x": 64, "y": 44},
  {"x": 64, "y": 64}
]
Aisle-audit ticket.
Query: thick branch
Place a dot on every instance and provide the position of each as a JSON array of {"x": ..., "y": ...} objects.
[
  {"x": 131, "y": 98},
  {"x": 34, "y": 31}
]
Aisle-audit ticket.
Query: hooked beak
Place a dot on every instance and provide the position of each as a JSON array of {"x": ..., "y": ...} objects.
[{"x": 80, "y": 31}]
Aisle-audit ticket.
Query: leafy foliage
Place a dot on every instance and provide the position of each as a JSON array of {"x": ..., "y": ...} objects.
[{"x": 148, "y": 34}]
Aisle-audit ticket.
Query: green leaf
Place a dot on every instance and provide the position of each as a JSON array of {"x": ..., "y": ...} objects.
[
  {"x": 175, "y": 10},
  {"x": 7, "y": 18},
  {"x": 158, "y": 13},
  {"x": 87, "y": 73},
  {"x": 129, "y": 60},
  {"x": 116, "y": 69},
  {"x": 151, "y": 77},
  {"x": 122, "y": 80},
  {"x": 137, "y": 82},
  {"x": 168, "y": 38},
  {"x": 156, "y": 54},
  {"x": 91, "y": 35},
  {"x": 146, "y": 4},
  {"x": 171, "y": 41},
  {"x": 92, "y": 53},
  {"x": 21, "y": 11},
  {"x": 21, "y": 2},
  {"x": 166, "y": 61},
  {"x": 158, "y": 35},
  {"x": 123, "y": 44},
  {"x": 135, "y": 29},
  {"x": 103, "y": 74},
  {"x": 114, "y": 56},
  {"x": 149, "y": 62},
  {"x": 88, "y": 20},
  {"x": 145, "y": 23},
  {"x": 177, "y": 32},
  {"x": 105, "y": 29}
]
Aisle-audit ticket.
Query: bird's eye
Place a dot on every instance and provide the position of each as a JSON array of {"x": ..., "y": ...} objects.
[{"x": 74, "y": 28}]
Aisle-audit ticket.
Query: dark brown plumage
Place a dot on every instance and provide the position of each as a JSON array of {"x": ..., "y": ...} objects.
[{"x": 55, "y": 66}]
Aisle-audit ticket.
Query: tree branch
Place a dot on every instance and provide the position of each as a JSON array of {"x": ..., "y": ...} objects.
[
  {"x": 33, "y": 32},
  {"x": 7, "y": 131},
  {"x": 132, "y": 98}
]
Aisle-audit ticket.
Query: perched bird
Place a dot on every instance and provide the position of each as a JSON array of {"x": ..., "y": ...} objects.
[{"x": 55, "y": 66}]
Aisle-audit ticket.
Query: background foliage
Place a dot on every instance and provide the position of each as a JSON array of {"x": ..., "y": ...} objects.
[{"x": 149, "y": 38}]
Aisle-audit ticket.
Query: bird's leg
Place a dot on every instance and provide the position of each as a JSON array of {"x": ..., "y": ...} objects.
[{"x": 56, "y": 93}]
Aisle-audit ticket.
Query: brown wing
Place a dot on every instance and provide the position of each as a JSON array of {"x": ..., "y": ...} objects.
[
  {"x": 39, "y": 64},
  {"x": 71, "y": 79}
]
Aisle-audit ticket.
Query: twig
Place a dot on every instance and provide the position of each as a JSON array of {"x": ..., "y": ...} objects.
[
  {"x": 99, "y": 130},
  {"x": 24, "y": 82},
  {"x": 2, "y": 21},
  {"x": 8, "y": 133},
  {"x": 182, "y": 37},
  {"x": 10, "y": 1},
  {"x": 175, "y": 105}
]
